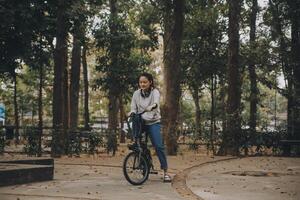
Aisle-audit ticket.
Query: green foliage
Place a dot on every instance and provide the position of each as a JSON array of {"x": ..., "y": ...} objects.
[
  {"x": 57, "y": 147},
  {"x": 95, "y": 140},
  {"x": 203, "y": 57},
  {"x": 91, "y": 140},
  {"x": 27, "y": 95},
  {"x": 202, "y": 49},
  {"x": 145, "y": 17},
  {"x": 74, "y": 143},
  {"x": 119, "y": 63},
  {"x": 111, "y": 143},
  {"x": 26, "y": 41},
  {"x": 263, "y": 140},
  {"x": 24, "y": 32},
  {"x": 187, "y": 112},
  {"x": 31, "y": 136},
  {"x": 124, "y": 39}
]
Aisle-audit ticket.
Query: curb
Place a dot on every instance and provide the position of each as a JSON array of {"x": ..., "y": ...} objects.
[{"x": 179, "y": 180}]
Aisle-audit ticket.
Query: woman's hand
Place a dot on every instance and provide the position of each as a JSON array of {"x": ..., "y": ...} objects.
[
  {"x": 129, "y": 114},
  {"x": 151, "y": 107}
]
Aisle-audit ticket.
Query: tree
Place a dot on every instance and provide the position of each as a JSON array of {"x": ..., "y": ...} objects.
[
  {"x": 13, "y": 45},
  {"x": 113, "y": 91},
  {"x": 120, "y": 59},
  {"x": 15, "y": 34},
  {"x": 25, "y": 33},
  {"x": 60, "y": 110},
  {"x": 252, "y": 72},
  {"x": 294, "y": 15},
  {"x": 86, "y": 87},
  {"x": 173, "y": 17},
  {"x": 289, "y": 60},
  {"x": 14, "y": 74},
  {"x": 79, "y": 13},
  {"x": 230, "y": 142},
  {"x": 203, "y": 58}
]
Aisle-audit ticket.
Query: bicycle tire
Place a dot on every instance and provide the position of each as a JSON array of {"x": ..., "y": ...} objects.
[{"x": 143, "y": 167}]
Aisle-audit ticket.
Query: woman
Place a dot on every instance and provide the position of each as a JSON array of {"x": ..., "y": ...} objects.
[{"x": 147, "y": 99}]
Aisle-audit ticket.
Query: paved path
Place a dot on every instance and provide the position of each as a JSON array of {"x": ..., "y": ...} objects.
[
  {"x": 180, "y": 180},
  {"x": 90, "y": 183},
  {"x": 252, "y": 178},
  {"x": 101, "y": 179},
  {"x": 198, "y": 177}
]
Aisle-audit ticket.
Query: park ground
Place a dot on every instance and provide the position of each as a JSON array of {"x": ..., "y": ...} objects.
[{"x": 196, "y": 175}]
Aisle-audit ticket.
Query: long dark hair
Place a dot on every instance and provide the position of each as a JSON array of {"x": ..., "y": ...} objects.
[{"x": 149, "y": 77}]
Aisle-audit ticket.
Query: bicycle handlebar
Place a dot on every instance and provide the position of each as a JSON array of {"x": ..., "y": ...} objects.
[{"x": 142, "y": 112}]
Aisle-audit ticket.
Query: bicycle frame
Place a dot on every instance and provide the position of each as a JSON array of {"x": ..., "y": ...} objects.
[
  {"x": 141, "y": 147},
  {"x": 137, "y": 172}
]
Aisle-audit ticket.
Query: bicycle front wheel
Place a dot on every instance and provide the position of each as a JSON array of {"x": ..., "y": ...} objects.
[{"x": 135, "y": 168}]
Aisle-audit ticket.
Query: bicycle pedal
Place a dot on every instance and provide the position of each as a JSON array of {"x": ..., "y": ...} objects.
[{"x": 153, "y": 172}]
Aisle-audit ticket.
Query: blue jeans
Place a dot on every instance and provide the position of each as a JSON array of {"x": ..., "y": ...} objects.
[{"x": 153, "y": 131}]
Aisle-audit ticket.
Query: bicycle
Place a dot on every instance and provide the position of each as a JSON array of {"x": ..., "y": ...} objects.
[{"x": 138, "y": 163}]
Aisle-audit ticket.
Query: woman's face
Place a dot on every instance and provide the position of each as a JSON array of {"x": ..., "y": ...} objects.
[{"x": 144, "y": 83}]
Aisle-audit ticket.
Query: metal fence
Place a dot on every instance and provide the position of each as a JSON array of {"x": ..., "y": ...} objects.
[{"x": 27, "y": 140}]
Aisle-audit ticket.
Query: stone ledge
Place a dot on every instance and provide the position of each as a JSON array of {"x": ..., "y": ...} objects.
[
  {"x": 14, "y": 172},
  {"x": 34, "y": 161}
]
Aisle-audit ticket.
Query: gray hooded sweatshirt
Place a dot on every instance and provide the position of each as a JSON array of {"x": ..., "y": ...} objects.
[{"x": 139, "y": 104}]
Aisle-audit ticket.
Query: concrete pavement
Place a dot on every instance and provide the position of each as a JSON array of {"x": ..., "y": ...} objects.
[{"x": 195, "y": 177}]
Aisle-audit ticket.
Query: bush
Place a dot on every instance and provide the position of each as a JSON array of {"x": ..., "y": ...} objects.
[
  {"x": 112, "y": 143},
  {"x": 31, "y": 136},
  {"x": 264, "y": 139},
  {"x": 74, "y": 143},
  {"x": 95, "y": 140}
]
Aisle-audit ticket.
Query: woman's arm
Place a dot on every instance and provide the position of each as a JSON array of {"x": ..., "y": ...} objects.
[{"x": 155, "y": 103}]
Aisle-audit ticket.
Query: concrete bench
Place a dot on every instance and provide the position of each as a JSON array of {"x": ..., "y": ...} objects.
[{"x": 14, "y": 171}]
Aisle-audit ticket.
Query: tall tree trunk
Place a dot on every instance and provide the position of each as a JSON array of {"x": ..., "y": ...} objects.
[
  {"x": 74, "y": 80},
  {"x": 40, "y": 103},
  {"x": 231, "y": 136},
  {"x": 294, "y": 7},
  {"x": 287, "y": 71},
  {"x": 195, "y": 94},
  {"x": 66, "y": 114},
  {"x": 113, "y": 110},
  {"x": 60, "y": 68},
  {"x": 113, "y": 121},
  {"x": 252, "y": 72},
  {"x": 122, "y": 115},
  {"x": 113, "y": 91},
  {"x": 66, "y": 118},
  {"x": 223, "y": 103},
  {"x": 173, "y": 27},
  {"x": 86, "y": 88},
  {"x": 212, "y": 114},
  {"x": 16, "y": 108}
]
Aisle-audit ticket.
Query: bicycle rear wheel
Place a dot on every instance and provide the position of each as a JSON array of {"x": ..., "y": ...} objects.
[{"x": 135, "y": 168}]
